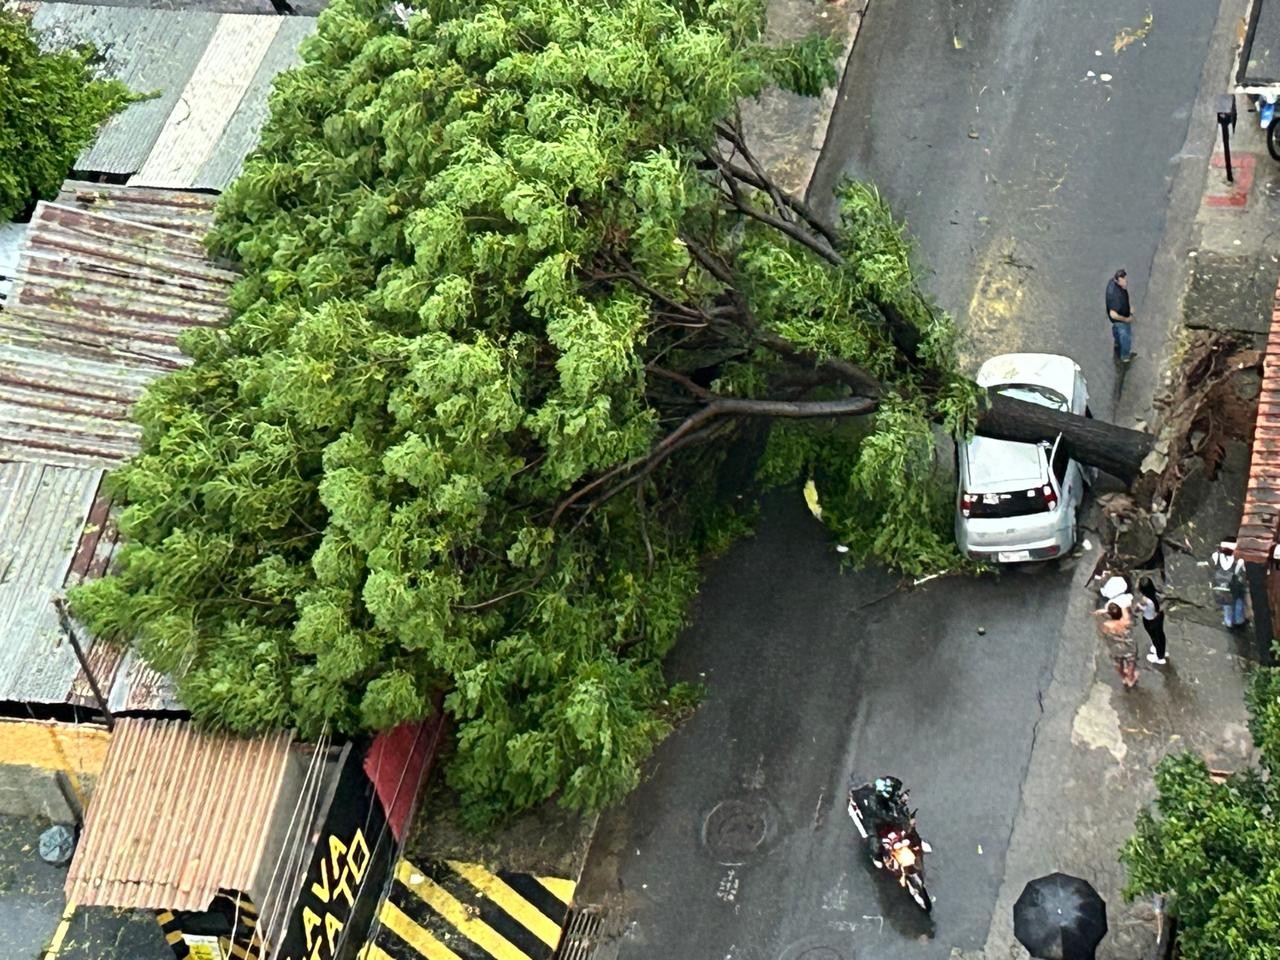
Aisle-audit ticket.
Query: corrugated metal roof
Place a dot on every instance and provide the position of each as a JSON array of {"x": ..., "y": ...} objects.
[
  {"x": 42, "y": 515},
  {"x": 240, "y": 136},
  {"x": 136, "y": 687},
  {"x": 95, "y": 314},
  {"x": 176, "y": 815},
  {"x": 150, "y": 50},
  {"x": 209, "y": 100},
  {"x": 180, "y": 210},
  {"x": 1260, "y": 519},
  {"x": 12, "y": 236},
  {"x": 212, "y": 73},
  {"x": 55, "y": 531}
]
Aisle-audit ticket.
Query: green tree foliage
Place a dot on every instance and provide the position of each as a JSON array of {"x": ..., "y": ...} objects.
[
  {"x": 51, "y": 105},
  {"x": 1216, "y": 846},
  {"x": 515, "y": 299}
]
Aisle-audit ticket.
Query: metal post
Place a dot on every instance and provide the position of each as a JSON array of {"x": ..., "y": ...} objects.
[
  {"x": 65, "y": 618},
  {"x": 1226, "y": 152},
  {"x": 1227, "y": 118}
]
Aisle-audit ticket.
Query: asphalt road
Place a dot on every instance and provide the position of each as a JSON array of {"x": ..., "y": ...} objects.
[{"x": 1026, "y": 182}]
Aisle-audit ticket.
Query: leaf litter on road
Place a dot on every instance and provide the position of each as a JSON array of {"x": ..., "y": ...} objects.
[{"x": 1127, "y": 36}]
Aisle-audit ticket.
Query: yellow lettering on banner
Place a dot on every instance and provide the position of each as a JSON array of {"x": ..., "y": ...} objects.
[
  {"x": 310, "y": 920},
  {"x": 337, "y": 850},
  {"x": 343, "y": 864},
  {"x": 359, "y": 845},
  {"x": 321, "y": 887},
  {"x": 332, "y": 927}
]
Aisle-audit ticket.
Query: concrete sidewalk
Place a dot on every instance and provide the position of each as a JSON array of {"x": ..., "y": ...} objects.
[
  {"x": 37, "y": 923},
  {"x": 1096, "y": 745}
]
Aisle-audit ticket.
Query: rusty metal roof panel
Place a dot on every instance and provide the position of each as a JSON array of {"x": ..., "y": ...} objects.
[
  {"x": 180, "y": 210},
  {"x": 42, "y": 515},
  {"x": 137, "y": 687},
  {"x": 240, "y": 136},
  {"x": 150, "y": 50},
  {"x": 94, "y": 316},
  {"x": 1260, "y": 518},
  {"x": 177, "y": 814}
]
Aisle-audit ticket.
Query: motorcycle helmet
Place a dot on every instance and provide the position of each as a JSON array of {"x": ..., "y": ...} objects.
[{"x": 888, "y": 787}]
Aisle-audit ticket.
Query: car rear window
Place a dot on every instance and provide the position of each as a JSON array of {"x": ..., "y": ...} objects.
[{"x": 1019, "y": 503}]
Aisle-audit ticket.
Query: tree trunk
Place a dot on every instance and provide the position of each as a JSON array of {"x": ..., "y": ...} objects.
[{"x": 1117, "y": 450}]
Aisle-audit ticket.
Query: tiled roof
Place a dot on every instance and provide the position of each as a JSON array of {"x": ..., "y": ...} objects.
[
  {"x": 94, "y": 316},
  {"x": 176, "y": 816},
  {"x": 1260, "y": 519}
]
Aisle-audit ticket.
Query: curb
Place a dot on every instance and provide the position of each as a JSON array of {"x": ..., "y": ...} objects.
[{"x": 828, "y": 98}]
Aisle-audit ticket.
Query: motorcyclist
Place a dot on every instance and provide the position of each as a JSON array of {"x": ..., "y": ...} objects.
[{"x": 885, "y": 804}]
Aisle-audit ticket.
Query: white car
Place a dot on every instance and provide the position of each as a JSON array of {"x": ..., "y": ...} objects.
[{"x": 1021, "y": 501}]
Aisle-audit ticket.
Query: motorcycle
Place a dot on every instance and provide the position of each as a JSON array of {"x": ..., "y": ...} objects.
[{"x": 901, "y": 849}]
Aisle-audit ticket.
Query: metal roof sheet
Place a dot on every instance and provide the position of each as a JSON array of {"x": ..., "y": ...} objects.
[
  {"x": 1260, "y": 518},
  {"x": 176, "y": 815},
  {"x": 181, "y": 210},
  {"x": 42, "y": 515},
  {"x": 211, "y": 97},
  {"x": 94, "y": 316},
  {"x": 211, "y": 73},
  {"x": 240, "y": 136},
  {"x": 11, "y": 239},
  {"x": 150, "y": 50}
]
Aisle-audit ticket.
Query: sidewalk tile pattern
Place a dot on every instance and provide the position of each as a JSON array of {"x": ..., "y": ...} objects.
[
  {"x": 1235, "y": 195},
  {"x": 450, "y": 910}
]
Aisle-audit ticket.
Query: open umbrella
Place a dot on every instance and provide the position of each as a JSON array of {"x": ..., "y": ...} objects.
[{"x": 1059, "y": 917}]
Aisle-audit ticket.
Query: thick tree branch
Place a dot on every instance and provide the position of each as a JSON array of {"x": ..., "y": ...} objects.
[
  {"x": 857, "y": 378},
  {"x": 675, "y": 306},
  {"x": 652, "y": 463},
  {"x": 1117, "y": 450},
  {"x": 792, "y": 230},
  {"x": 696, "y": 422}
]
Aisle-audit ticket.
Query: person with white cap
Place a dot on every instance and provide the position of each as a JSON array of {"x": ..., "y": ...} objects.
[{"x": 1115, "y": 589}]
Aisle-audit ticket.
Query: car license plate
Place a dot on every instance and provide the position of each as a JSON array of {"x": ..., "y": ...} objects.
[{"x": 1013, "y": 556}]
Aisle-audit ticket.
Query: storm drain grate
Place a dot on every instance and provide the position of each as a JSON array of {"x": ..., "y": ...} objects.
[{"x": 582, "y": 935}]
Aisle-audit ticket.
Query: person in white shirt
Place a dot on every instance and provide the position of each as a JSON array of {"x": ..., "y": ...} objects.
[{"x": 1226, "y": 572}]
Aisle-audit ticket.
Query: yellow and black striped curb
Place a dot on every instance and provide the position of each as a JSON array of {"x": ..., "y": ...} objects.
[{"x": 448, "y": 910}]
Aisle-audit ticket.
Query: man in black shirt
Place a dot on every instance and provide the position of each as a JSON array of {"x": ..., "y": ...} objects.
[{"x": 1120, "y": 315}]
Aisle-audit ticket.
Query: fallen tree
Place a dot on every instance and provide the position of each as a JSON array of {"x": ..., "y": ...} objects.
[{"x": 515, "y": 293}]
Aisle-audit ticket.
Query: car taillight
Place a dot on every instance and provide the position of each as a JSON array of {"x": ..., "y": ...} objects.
[
  {"x": 966, "y": 503},
  {"x": 1050, "y": 498}
]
